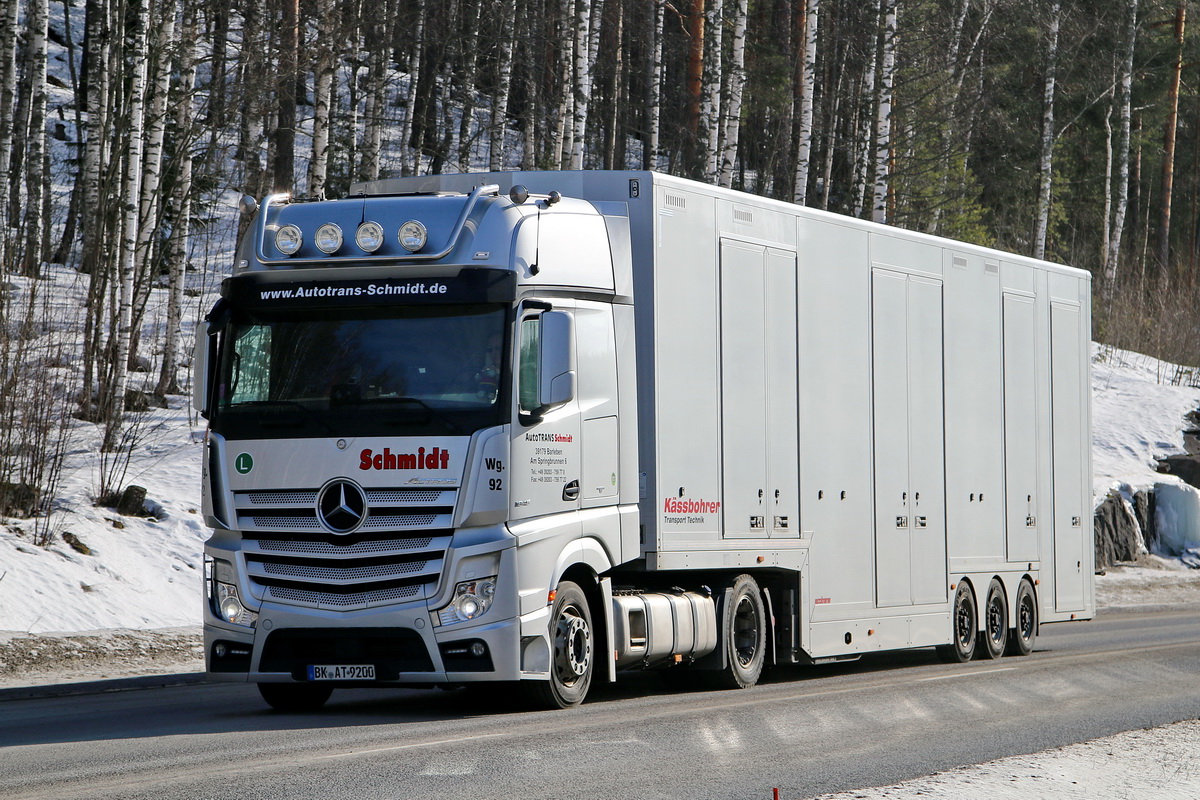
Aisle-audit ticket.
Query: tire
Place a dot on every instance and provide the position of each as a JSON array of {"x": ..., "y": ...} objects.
[
  {"x": 995, "y": 622},
  {"x": 573, "y": 652},
  {"x": 294, "y": 698},
  {"x": 1024, "y": 632},
  {"x": 743, "y": 635},
  {"x": 964, "y": 625}
]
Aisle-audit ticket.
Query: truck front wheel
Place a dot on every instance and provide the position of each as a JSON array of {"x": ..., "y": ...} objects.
[
  {"x": 743, "y": 634},
  {"x": 573, "y": 655},
  {"x": 295, "y": 697}
]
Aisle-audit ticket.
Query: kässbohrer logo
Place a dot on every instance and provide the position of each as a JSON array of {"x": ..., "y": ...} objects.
[
  {"x": 673, "y": 505},
  {"x": 436, "y": 458}
]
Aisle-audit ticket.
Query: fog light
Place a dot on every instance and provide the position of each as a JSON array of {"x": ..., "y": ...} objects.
[
  {"x": 288, "y": 239},
  {"x": 478, "y": 650},
  {"x": 412, "y": 236},
  {"x": 329, "y": 238},
  {"x": 219, "y": 650},
  {"x": 369, "y": 236}
]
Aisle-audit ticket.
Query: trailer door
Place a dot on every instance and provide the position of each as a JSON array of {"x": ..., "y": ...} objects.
[
  {"x": 909, "y": 438},
  {"x": 759, "y": 404},
  {"x": 1068, "y": 401}
]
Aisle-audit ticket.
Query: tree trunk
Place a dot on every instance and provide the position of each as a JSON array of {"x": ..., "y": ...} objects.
[
  {"x": 654, "y": 93},
  {"x": 181, "y": 205},
  {"x": 737, "y": 82},
  {"x": 1047, "y": 160},
  {"x": 8, "y": 100},
  {"x": 499, "y": 126},
  {"x": 695, "y": 83},
  {"x": 36, "y": 178},
  {"x": 284, "y": 137},
  {"x": 410, "y": 164},
  {"x": 1123, "y": 146},
  {"x": 584, "y": 59},
  {"x": 805, "y": 91},
  {"x": 115, "y": 402},
  {"x": 470, "y": 58},
  {"x": 883, "y": 131},
  {"x": 324, "y": 69},
  {"x": 1168, "y": 167},
  {"x": 710, "y": 107}
]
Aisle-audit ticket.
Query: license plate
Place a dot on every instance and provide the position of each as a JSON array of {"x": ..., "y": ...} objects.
[{"x": 342, "y": 672}]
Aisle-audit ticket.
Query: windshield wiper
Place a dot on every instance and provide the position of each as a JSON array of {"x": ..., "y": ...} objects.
[{"x": 279, "y": 414}]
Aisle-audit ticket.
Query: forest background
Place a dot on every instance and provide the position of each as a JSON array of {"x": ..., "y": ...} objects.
[{"x": 1062, "y": 129}]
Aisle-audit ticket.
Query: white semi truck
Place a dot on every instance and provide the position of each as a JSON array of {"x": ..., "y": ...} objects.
[{"x": 541, "y": 427}]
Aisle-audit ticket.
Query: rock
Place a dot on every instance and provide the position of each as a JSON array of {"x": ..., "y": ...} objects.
[
  {"x": 133, "y": 501},
  {"x": 18, "y": 499},
  {"x": 1117, "y": 534},
  {"x": 143, "y": 401},
  {"x": 1186, "y": 468},
  {"x": 1144, "y": 507},
  {"x": 76, "y": 545}
]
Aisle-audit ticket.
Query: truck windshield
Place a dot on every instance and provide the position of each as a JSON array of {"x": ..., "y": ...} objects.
[{"x": 417, "y": 370}]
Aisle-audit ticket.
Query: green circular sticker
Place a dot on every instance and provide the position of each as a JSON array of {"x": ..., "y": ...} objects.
[{"x": 243, "y": 463}]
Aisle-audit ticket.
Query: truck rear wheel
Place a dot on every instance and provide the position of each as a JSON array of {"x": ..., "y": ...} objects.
[
  {"x": 573, "y": 652},
  {"x": 295, "y": 697},
  {"x": 1020, "y": 639},
  {"x": 963, "y": 625},
  {"x": 995, "y": 618},
  {"x": 743, "y": 635}
]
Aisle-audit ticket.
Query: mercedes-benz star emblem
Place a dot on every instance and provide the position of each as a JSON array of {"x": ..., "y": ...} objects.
[{"x": 341, "y": 506}]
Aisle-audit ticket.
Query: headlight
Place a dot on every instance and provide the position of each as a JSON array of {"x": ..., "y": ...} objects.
[
  {"x": 471, "y": 600},
  {"x": 288, "y": 239},
  {"x": 223, "y": 595}
]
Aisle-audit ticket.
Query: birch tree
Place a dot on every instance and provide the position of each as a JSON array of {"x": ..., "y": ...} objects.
[
  {"x": 883, "y": 129},
  {"x": 807, "y": 84},
  {"x": 324, "y": 68},
  {"x": 654, "y": 89},
  {"x": 410, "y": 162},
  {"x": 1121, "y": 201},
  {"x": 35, "y": 136},
  {"x": 8, "y": 99},
  {"x": 710, "y": 107},
  {"x": 1047, "y": 159},
  {"x": 737, "y": 82},
  {"x": 470, "y": 58},
  {"x": 496, "y": 144},
  {"x": 181, "y": 203},
  {"x": 131, "y": 183},
  {"x": 584, "y": 59}
]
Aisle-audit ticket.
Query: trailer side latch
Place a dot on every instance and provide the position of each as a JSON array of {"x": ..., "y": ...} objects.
[{"x": 901, "y": 522}]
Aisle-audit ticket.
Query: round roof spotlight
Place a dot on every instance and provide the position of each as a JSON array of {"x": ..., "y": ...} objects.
[
  {"x": 288, "y": 239},
  {"x": 412, "y": 236},
  {"x": 369, "y": 236},
  {"x": 518, "y": 194},
  {"x": 329, "y": 238}
]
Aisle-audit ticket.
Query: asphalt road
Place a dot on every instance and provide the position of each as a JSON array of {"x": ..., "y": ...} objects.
[{"x": 804, "y": 730}]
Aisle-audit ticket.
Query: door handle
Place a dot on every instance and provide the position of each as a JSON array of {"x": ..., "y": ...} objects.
[{"x": 571, "y": 491}]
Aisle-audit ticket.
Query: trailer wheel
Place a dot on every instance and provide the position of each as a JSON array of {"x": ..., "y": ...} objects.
[
  {"x": 995, "y": 621},
  {"x": 294, "y": 698},
  {"x": 744, "y": 635},
  {"x": 964, "y": 625},
  {"x": 1020, "y": 640},
  {"x": 573, "y": 656}
]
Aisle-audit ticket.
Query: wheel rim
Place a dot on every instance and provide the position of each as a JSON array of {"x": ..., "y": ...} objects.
[
  {"x": 996, "y": 620},
  {"x": 964, "y": 620},
  {"x": 745, "y": 631},
  {"x": 1025, "y": 618},
  {"x": 572, "y": 646}
]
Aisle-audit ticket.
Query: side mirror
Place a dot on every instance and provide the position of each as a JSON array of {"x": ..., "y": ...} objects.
[
  {"x": 556, "y": 384},
  {"x": 200, "y": 368}
]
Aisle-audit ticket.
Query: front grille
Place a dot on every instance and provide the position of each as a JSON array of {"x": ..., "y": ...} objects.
[
  {"x": 397, "y": 553},
  {"x": 391, "y": 650}
]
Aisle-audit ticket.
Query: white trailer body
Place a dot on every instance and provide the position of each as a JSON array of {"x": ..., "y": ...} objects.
[{"x": 838, "y": 437}]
